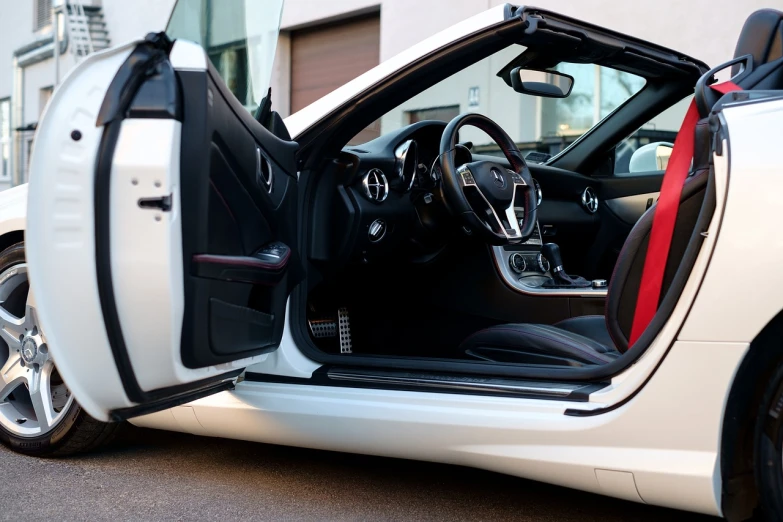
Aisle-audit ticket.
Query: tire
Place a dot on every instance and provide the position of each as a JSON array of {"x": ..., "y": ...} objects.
[
  {"x": 71, "y": 429},
  {"x": 768, "y": 454}
]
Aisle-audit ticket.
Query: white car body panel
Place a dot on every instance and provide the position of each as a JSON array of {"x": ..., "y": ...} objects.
[
  {"x": 68, "y": 239},
  {"x": 654, "y": 447},
  {"x": 672, "y": 452},
  {"x": 751, "y": 229}
]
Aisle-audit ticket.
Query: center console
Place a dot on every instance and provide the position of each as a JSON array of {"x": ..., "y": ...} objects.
[{"x": 528, "y": 270}]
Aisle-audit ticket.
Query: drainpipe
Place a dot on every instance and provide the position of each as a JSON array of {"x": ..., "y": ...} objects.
[
  {"x": 56, "y": 36},
  {"x": 17, "y": 120}
]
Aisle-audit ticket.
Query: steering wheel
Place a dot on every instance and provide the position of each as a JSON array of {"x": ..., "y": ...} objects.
[{"x": 484, "y": 193}]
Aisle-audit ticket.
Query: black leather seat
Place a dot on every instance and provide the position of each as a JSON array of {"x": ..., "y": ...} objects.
[
  {"x": 600, "y": 339},
  {"x": 573, "y": 342}
]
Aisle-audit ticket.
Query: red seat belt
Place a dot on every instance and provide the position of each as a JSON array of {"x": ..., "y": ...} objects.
[{"x": 665, "y": 218}]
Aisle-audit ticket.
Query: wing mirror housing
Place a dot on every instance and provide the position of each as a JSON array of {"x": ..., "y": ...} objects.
[
  {"x": 651, "y": 157},
  {"x": 547, "y": 84}
]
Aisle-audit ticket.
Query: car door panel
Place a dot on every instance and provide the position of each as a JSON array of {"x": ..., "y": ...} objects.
[
  {"x": 251, "y": 185},
  {"x": 623, "y": 200},
  {"x": 174, "y": 218}
]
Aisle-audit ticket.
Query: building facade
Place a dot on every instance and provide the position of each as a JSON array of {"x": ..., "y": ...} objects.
[{"x": 324, "y": 44}]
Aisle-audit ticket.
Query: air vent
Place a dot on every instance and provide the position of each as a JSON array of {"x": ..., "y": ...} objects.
[
  {"x": 375, "y": 185},
  {"x": 590, "y": 200}
]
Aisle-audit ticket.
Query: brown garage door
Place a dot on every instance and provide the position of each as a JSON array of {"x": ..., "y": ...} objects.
[{"x": 324, "y": 58}]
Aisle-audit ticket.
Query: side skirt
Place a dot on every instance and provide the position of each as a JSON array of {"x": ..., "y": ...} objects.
[{"x": 345, "y": 377}]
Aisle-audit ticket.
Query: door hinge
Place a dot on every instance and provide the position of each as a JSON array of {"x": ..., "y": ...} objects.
[{"x": 162, "y": 203}]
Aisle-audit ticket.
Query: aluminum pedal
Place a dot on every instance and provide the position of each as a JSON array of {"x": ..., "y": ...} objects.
[
  {"x": 323, "y": 328},
  {"x": 344, "y": 325}
]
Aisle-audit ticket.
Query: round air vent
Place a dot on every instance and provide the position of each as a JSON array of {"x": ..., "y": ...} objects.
[
  {"x": 375, "y": 185},
  {"x": 590, "y": 200}
]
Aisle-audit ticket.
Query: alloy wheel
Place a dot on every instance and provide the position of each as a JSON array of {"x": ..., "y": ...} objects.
[{"x": 33, "y": 397}]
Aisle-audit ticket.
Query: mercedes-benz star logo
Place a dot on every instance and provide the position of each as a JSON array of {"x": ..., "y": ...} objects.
[
  {"x": 498, "y": 178},
  {"x": 29, "y": 350}
]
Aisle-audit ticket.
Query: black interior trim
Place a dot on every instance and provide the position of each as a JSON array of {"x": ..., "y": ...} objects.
[
  {"x": 586, "y": 374},
  {"x": 169, "y": 401},
  {"x": 243, "y": 269},
  {"x": 588, "y": 150},
  {"x": 446, "y": 383}
]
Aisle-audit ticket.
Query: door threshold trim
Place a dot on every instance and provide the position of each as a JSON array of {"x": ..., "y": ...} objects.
[{"x": 436, "y": 383}]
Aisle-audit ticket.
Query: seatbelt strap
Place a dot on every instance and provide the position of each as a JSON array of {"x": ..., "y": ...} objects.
[{"x": 665, "y": 217}]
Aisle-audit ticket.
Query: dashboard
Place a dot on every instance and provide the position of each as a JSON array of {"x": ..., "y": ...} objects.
[{"x": 382, "y": 200}]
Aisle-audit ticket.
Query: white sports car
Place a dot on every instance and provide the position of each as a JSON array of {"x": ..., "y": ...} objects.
[{"x": 205, "y": 268}]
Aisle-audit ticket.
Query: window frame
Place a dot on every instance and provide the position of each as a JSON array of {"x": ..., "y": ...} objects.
[{"x": 6, "y": 176}]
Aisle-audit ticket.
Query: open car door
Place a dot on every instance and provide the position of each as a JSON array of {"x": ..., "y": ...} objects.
[{"x": 162, "y": 216}]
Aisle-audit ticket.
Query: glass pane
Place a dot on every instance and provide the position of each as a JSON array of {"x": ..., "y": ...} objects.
[
  {"x": 240, "y": 38},
  {"x": 576, "y": 114},
  {"x": 616, "y": 87},
  {"x": 546, "y": 125},
  {"x": 654, "y": 138}
]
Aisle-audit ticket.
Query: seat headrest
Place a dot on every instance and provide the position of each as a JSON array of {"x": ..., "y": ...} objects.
[{"x": 762, "y": 37}]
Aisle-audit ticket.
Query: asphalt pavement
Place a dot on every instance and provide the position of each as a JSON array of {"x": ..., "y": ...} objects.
[{"x": 153, "y": 475}]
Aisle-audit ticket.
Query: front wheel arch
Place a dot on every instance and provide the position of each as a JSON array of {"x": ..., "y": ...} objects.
[
  {"x": 11, "y": 238},
  {"x": 740, "y": 496}
]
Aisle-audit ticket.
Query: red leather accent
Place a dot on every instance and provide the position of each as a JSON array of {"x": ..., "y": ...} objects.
[{"x": 664, "y": 219}]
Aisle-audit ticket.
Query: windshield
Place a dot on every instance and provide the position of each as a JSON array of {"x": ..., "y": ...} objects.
[
  {"x": 546, "y": 125},
  {"x": 240, "y": 38}
]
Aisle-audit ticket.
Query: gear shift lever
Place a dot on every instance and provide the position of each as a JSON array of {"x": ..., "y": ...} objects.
[
  {"x": 559, "y": 278},
  {"x": 552, "y": 254}
]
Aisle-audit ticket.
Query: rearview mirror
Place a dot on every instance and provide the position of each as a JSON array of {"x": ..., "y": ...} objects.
[{"x": 548, "y": 84}]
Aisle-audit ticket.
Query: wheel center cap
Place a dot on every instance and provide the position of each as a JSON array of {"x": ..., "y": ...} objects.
[{"x": 29, "y": 350}]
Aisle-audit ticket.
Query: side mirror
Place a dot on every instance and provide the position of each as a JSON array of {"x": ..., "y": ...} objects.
[
  {"x": 548, "y": 84},
  {"x": 651, "y": 157}
]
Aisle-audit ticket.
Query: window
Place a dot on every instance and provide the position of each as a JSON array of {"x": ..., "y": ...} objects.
[
  {"x": 240, "y": 37},
  {"x": 648, "y": 149},
  {"x": 5, "y": 139},
  {"x": 231, "y": 63},
  {"x": 536, "y": 124},
  {"x": 42, "y": 14},
  {"x": 597, "y": 92}
]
